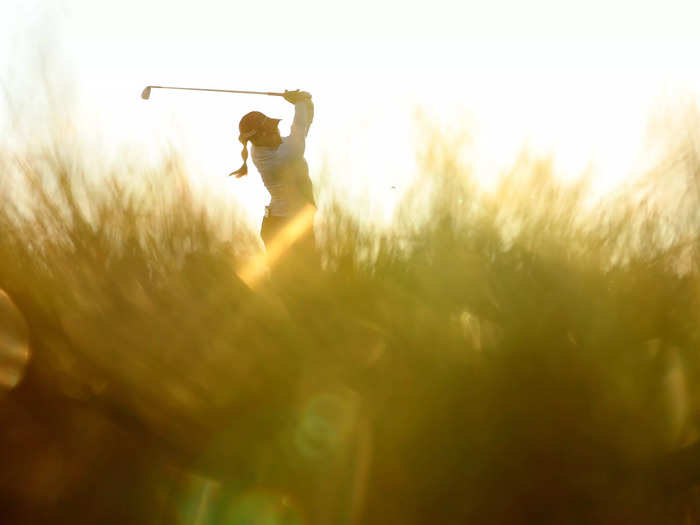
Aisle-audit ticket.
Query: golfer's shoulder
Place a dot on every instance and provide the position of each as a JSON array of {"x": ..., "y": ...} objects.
[
  {"x": 292, "y": 145},
  {"x": 288, "y": 141}
]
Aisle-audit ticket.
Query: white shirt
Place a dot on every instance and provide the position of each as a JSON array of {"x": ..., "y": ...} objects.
[{"x": 283, "y": 169}]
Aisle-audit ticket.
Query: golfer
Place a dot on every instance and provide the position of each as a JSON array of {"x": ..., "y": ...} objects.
[{"x": 280, "y": 162}]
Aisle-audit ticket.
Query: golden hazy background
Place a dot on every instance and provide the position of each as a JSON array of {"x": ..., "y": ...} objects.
[{"x": 500, "y": 324}]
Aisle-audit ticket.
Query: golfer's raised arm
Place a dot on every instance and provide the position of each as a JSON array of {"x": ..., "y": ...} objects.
[{"x": 303, "y": 115}]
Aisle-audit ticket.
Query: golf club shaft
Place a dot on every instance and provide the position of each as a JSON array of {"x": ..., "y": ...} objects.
[{"x": 220, "y": 90}]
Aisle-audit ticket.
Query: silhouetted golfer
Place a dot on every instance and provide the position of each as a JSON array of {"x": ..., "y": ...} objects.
[{"x": 280, "y": 162}]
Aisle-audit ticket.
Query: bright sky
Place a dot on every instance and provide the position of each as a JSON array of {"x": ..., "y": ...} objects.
[{"x": 578, "y": 79}]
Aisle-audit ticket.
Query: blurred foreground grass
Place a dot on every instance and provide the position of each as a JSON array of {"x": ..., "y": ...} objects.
[{"x": 510, "y": 357}]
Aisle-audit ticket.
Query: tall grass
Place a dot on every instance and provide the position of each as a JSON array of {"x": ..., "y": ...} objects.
[{"x": 508, "y": 357}]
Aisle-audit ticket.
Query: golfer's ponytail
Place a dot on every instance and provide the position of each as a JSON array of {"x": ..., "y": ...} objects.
[
  {"x": 243, "y": 170},
  {"x": 247, "y": 128}
]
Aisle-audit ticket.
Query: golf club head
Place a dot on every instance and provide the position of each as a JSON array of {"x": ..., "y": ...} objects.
[{"x": 146, "y": 93}]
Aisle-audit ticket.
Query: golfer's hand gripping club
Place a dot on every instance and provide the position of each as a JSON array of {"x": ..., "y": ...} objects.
[{"x": 296, "y": 96}]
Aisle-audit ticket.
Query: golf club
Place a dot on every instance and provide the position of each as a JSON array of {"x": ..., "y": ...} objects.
[{"x": 147, "y": 91}]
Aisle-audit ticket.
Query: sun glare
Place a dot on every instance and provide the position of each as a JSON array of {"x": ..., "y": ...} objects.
[
  {"x": 480, "y": 304},
  {"x": 582, "y": 102}
]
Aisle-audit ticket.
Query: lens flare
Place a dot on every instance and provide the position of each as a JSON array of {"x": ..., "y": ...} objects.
[
  {"x": 14, "y": 344},
  {"x": 324, "y": 424},
  {"x": 256, "y": 269}
]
